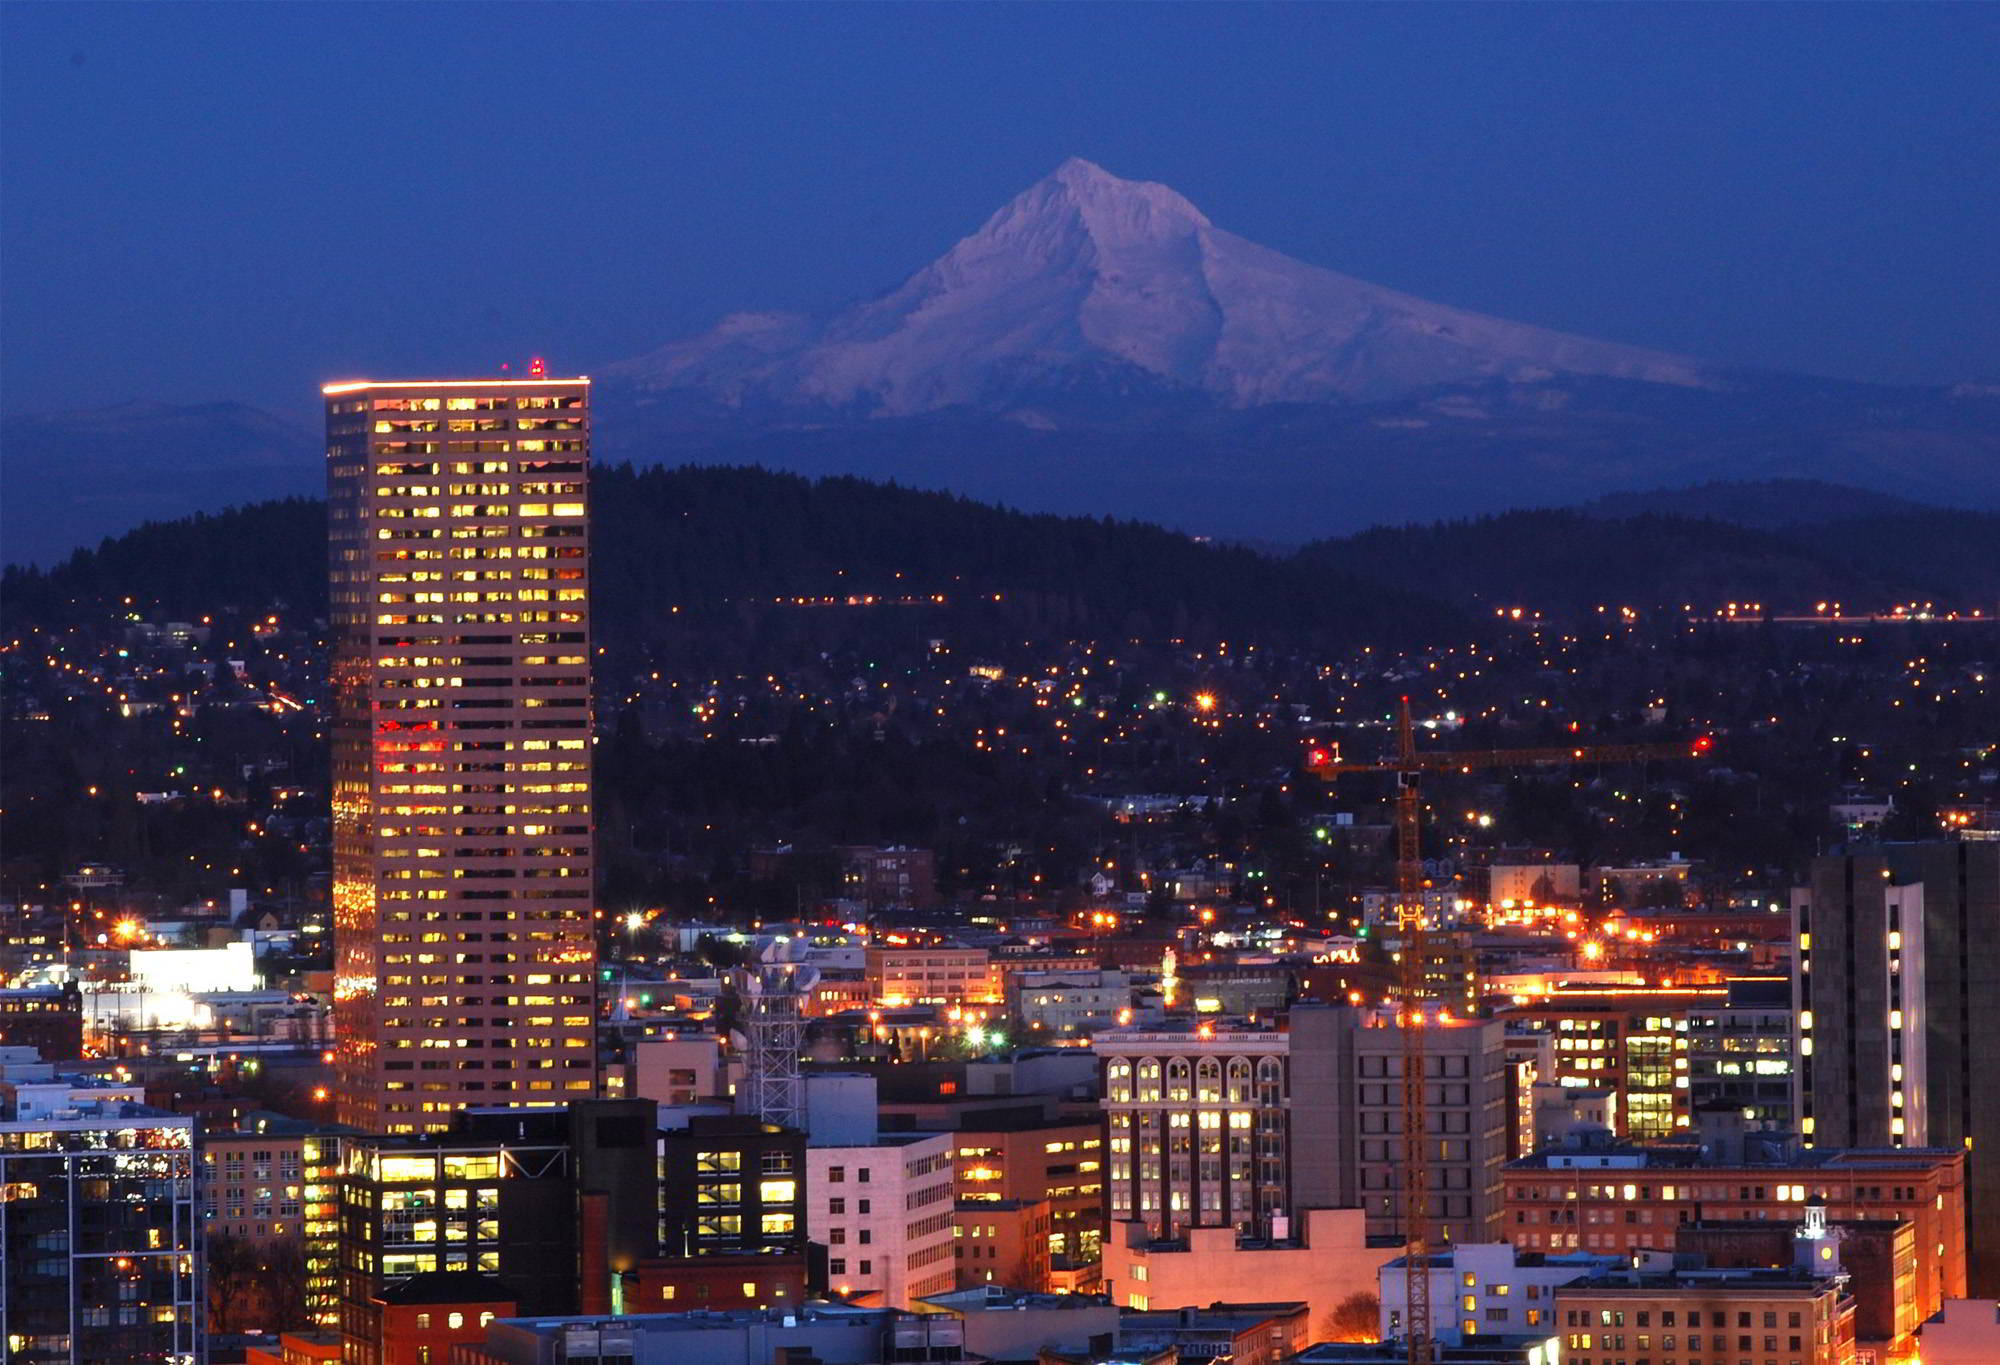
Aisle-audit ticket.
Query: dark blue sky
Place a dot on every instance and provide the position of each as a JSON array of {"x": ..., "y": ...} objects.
[{"x": 209, "y": 201}]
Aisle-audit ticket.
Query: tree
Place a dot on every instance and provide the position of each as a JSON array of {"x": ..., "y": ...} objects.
[
  {"x": 256, "y": 1284},
  {"x": 232, "y": 1282},
  {"x": 1358, "y": 1317},
  {"x": 283, "y": 1277}
]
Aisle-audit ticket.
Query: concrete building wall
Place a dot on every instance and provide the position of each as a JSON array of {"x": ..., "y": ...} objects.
[
  {"x": 884, "y": 1214},
  {"x": 1347, "y": 1119},
  {"x": 1328, "y": 1263},
  {"x": 1961, "y": 1019},
  {"x": 253, "y": 1185},
  {"x": 677, "y": 1070},
  {"x": 1964, "y": 1332}
]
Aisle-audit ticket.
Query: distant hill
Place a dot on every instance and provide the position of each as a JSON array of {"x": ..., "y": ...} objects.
[
  {"x": 1769, "y": 504},
  {"x": 68, "y": 478},
  {"x": 711, "y": 548},
  {"x": 1574, "y": 560},
  {"x": 1086, "y": 280},
  {"x": 710, "y": 561}
]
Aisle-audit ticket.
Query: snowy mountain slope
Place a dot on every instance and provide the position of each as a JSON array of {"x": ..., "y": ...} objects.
[{"x": 1086, "y": 277}]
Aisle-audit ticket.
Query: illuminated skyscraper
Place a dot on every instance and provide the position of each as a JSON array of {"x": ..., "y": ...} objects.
[{"x": 462, "y": 824}]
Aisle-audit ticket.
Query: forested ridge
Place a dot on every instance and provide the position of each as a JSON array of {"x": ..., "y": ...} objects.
[{"x": 711, "y": 547}]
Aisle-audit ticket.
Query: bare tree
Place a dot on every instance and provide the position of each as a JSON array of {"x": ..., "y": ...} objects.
[
  {"x": 1357, "y": 1317},
  {"x": 232, "y": 1264},
  {"x": 284, "y": 1284}
]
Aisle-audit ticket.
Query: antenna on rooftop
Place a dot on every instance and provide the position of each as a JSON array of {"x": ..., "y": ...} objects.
[{"x": 773, "y": 996}]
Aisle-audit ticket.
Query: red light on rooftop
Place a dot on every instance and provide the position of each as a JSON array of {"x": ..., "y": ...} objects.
[
  {"x": 538, "y": 368},
  {"x": 1704, "y": 744}
]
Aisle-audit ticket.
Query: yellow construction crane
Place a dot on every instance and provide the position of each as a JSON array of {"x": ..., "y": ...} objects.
[{"x": 1408, "y": 766}]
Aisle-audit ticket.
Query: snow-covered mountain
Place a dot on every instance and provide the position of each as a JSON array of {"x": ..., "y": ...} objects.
[{"x": 1088, "y": 281}]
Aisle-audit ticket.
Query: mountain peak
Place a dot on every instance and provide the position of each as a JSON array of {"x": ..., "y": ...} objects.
[
  {"x": 1086, "y": 282},
  {"x": 1110, "y": 208}
]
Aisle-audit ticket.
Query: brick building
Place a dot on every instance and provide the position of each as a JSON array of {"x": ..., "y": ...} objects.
[{"x": 1629, "y": 1199}]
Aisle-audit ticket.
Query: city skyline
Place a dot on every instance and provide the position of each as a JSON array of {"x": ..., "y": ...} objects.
[{"x": 1355, "y": 727}]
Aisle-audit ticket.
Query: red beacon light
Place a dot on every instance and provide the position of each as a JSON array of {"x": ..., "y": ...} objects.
[
  {"x": 538, "y": 368},
  {"x": 1318, "y": 758},
  {"x": 1704, "y": 743}
]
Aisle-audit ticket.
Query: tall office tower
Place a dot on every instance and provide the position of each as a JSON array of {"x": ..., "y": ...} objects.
[
  {"x": 1858, "y": 975},
  {"x": 1897, "y": 984},
  {"x": 463, "y": 937}
]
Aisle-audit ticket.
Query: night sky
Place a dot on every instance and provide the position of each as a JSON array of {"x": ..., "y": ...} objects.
[{"x": 235, "y": 201}]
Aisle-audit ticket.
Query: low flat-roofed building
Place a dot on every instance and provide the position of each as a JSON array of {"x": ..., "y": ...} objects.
[
  {"x": 1004, "y": 1323},
  {"x": 1486, "y": 1289},
  {"x": 884, "y": 1214},
  {"x": 1715, "y": 1317},
  {"x": 826, "y": 1333},
  {"x": 1002, "y": 1241},
  {"x": 1879, "y": 1256},
  {"x": 1231, "y": 1333}
]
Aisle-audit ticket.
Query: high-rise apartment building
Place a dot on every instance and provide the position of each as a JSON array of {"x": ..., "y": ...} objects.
[
  {"x": 462, "y": 826},
  {"x": 1897, "y": 986}
]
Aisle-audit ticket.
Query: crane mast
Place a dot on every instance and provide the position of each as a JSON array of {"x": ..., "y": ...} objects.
[{"x": 1407, "y": 767}]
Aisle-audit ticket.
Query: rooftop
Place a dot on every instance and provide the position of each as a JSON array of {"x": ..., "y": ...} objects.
[
  {"x": 1693, "y": 1158},
  {"x": 1628, "y": 1281},
  {"x": 357, "y": 385},
  {"x": 710, "y": 1320},
  {"x": 988, "y": 1298}
]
